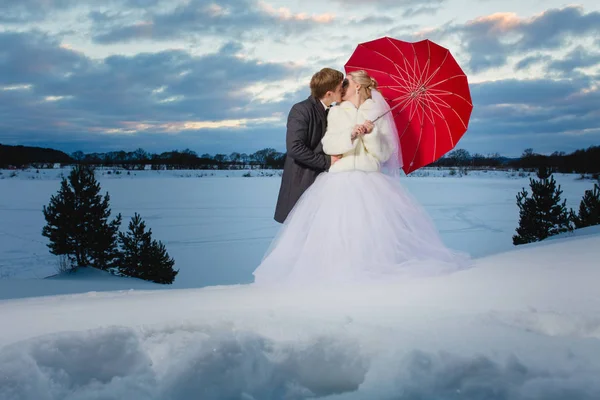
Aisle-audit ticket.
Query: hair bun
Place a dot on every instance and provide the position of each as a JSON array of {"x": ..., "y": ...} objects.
[{"x": 373, "y": 84}]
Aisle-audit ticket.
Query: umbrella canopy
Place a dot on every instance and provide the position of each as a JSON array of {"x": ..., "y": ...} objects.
[{"x": 427, "y": 91}]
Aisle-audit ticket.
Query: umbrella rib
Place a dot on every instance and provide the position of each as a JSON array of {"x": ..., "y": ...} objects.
[
  {"x": 423, "y": 103},
  {"x": 448, "y": 93},
  {"x": 399, "y": 80},
  {"x": 447, "y": 125},
  {"x": 392, "y": 87},
  {"x": 404, "y": 131},
  {"x": 406, "y": 104},
  {"x": 440, "y": 90},
  {"x": 395, "y": 89},
  {"x": 428, "y": 64},
  {"x": 390, "y": 60},
  {"x": 424, "y": 108},
  {"x": 402, "y": 81},
  {"x": 439, "y": 100},
  {"x": 399, "y": 89},
  {"x": 405, "y": 59},
  {"x": 437, "y": 112},
  {"x": 413, "y": 109},
  {"x": 404, "y": 96},
  {"x": 462, "y": 98},
  {"x": 410, "y": 77},
  {"x": 370, "y": 69},
  {"x": 378, "y": 71},
  {"x": 418, "y": 142},
  {"x": 425, "y": 71},
  {"x": 460, "y": 118},
  {"x": 446, "y": 80},
  {"x": 437, "y": 69},
  {"x": 428, "y": 101},
  {"x": 433, "y": 112},
  {"x": 434, "y": 136},
  {"x": 417, "y": 67},
  {"x": 452, "y": 108},
  {"x": 403, "y": 56},
  {"x": 449, "y": 131},
  {"x": 410, "y": 101}
]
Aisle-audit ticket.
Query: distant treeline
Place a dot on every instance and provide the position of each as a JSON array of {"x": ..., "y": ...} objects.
[
  {"x": 186, "y": 159},
  {"x": 585, "y": 161},
  {"x": 20, "y": 156},
  {"x": 579, "y": 161}
]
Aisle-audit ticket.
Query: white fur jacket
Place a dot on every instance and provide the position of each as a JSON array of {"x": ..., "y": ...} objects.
[{"x": 368, "y": 151}]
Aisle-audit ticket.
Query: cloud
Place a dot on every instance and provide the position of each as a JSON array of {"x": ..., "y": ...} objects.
[
  {"x": 545, "y": 114},
  {"x": 23, "y": 11},
  {"x": 373, "y": 19},
  {"x": 554, "y": 27},
  {"x": 411, "y": 8},
  {"x": 531, "y": 60},
  {"x": 392, "y": 3},
  {"x": 61, "y": 93},
  {"x": 538, "y": 92},
  {"x": 231, "y": 18},
  {"x": 414, "y": 11},
  {"x": 230, "y": 99},
  {"x": 577, "y": 59},
  {"x": 35, "y": 58},
  {"x": 571, "y": 64},
  {"x": 18, "y": 11},
  {"x": 492, "y": 39}
]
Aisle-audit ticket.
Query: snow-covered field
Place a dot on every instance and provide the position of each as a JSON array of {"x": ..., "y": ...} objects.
[
  {"x": 217, "y": 224},
  {"x": 522, "y": 324}
]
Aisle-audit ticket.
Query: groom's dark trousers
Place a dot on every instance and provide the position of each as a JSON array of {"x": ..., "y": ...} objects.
[{"x": 306, "y": 125}]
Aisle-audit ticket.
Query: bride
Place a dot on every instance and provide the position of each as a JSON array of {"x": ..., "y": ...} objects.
[{"x": 356, "y": 223}]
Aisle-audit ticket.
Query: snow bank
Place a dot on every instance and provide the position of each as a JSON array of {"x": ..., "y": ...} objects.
[{"x": 520, "y": 325}]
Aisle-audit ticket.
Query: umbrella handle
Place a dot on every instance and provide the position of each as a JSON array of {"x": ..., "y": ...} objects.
[{"x": 382, "y": 115}]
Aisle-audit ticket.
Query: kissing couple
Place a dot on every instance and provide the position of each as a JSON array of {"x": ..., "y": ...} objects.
[{"x": 346, "y": 217}]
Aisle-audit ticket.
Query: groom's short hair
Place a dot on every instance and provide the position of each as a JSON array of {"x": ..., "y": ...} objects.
[{"x": 325, "y": 80}]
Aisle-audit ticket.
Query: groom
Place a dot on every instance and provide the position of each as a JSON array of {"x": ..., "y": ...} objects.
[{"x": 306, "y": 126}]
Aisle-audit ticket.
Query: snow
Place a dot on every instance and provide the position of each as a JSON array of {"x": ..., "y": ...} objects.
[
  {"x": 524, "y": 323},
  {"x": 217, "y": 229},
  {"x": 83, "y": 280}
]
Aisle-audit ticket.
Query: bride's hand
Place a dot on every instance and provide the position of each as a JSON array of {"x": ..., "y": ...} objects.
[
  {"x": 368, "y": 127},
  {"x": 357, "y": 131}
]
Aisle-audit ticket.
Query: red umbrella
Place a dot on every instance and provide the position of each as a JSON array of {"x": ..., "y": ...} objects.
[{"x": 427, "y": 91}]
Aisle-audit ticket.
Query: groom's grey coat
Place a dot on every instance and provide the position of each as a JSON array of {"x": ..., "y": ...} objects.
[{"x": 306, "y": 125}]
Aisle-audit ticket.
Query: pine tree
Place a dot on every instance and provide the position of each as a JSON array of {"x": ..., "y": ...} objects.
[
  {"x": 61, "y": 227},
  {"x": 77, "y": 221},
  {"x": 104, "y": 248},
  {"x": 589, "y": 209},
  {"x": 142, "y": 257},
  {"x": 541, "y": 215}
]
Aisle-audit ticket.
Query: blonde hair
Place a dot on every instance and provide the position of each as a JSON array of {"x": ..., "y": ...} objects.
[
  {"x": 366, "y": 82},
  {"x": 324, "y": 81}
]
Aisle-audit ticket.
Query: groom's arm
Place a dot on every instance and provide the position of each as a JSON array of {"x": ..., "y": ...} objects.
[{"x": 297, "y": 139}]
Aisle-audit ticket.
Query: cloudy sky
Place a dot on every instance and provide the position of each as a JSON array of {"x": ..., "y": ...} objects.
[{"x": 220, "y": 76}]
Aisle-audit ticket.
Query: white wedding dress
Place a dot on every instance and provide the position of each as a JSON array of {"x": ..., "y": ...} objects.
[{"x": 356, "y": 224}]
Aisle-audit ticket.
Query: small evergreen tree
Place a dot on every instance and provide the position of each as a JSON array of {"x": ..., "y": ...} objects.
[
  {"x": 77, "y": 221},
  {"x": 589, "y": 209},
  {"x": 144, "y": 258},
  {"x": 541, "y": 215},
  {"x": 104, "y": 248}
]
